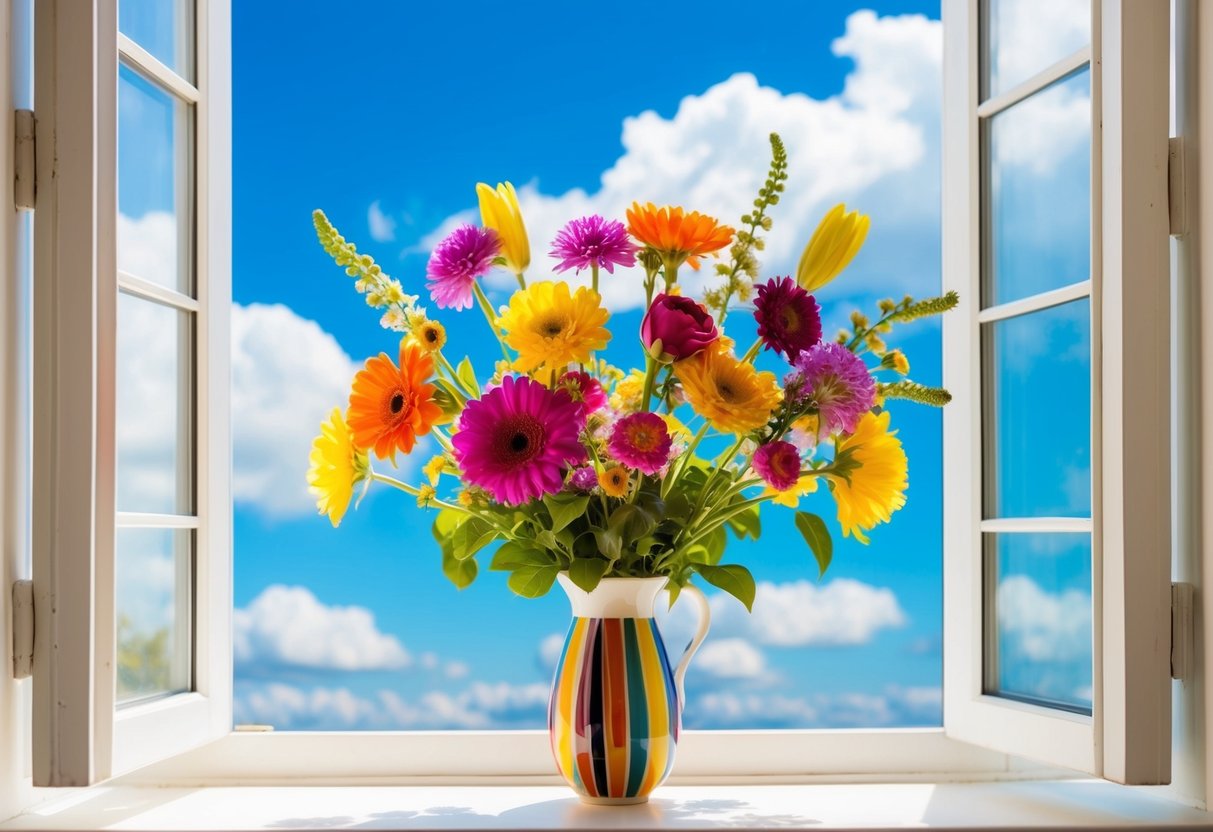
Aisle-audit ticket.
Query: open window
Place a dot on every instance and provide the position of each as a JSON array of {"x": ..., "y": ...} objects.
[{"x": 1057, "y": 477}]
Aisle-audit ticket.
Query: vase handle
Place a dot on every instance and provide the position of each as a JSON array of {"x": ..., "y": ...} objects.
[{"x": 704, "y": 613}]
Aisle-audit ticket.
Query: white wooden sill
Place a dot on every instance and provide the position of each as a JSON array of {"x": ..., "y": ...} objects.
[{"x": 1068, "y": 805}]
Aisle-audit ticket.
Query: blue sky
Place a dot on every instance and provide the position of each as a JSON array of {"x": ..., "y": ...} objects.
[{"x": 387, "y": 117}]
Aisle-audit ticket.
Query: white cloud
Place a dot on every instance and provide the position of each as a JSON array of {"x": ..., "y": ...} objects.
[
  {"x": 1043, "y": 626},
  {"x": 893, "y": 707},
  {"x": 289, "y": 626},
  {"x": 287, "y": 375},
  {"x": 712, "y": 155},
  {"x": 1031, "y": 35},
  {"x": 382, "y": 227},
  {"x": 147, "y": 247},
  {"x": 550, "y": 649},
  {"x": 842, "y": 612},
  {"x": 730, "y": 658}
]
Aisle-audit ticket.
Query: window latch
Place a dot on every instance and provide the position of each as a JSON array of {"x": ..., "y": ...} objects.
[
  {"x": 23, "y": 628},
  {"x": 1182, "y": 630},
  {"x": 23, "y": 160}
]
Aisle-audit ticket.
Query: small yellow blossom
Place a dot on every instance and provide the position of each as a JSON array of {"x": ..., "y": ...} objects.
[
  {"x": 430, "y": 336},
  {"x": 434, "y": 469},
  {"x": 425, "y": 494},
  {"x": 614, "y": 481},
  {"x": 394, "y": 320},
  {"x": 806, "y": 484},
  {"x": 628, "y": 391}
]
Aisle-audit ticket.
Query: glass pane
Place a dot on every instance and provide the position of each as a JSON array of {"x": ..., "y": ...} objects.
[
  {"x": 153, "y": 591},
  {"x": 1038, "y": 193},
  {"x": 163, "y": 27},
  {"x": 155, "y": 407},
  {"x": 1028, "y": 36},
  {"x": 1038, "y": 413},
  {"x": 154, "y": 201},
  {"x": 1038, "y": 630}
]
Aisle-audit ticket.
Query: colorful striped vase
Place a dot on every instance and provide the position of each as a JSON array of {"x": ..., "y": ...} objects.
[{"x": 616, "y": 707}]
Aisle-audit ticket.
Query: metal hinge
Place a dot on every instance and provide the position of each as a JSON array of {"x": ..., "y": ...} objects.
[
  {"x": 23, "y": 628},
  {"x": 1183, "y": 631},
  {"x": 1176, "y": 187},
  {"x": 23, "y": 160}
]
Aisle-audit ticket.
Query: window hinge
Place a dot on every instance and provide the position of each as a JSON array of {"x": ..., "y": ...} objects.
[
  {"x": 23, "y": 160},
  {"x": 23, "y": 628},
  {"x": 1176, "y": 187},
  {"x": 1182, "y": 630}
]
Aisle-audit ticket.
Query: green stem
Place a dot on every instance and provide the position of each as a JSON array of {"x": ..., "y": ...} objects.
[
  {"x": 752, "y": 351},
  {"x": 408, "y": 489},
  {"x": 671, "y": 275},
  {"x": 490, "y": 316},
  {"x": 683, "y": 461},
  {"x": 650, "y": 380},
  {"x": 594, "y": 276}
]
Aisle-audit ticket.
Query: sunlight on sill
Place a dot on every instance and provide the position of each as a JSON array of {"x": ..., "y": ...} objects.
[{"x": 1077, "y": 804}]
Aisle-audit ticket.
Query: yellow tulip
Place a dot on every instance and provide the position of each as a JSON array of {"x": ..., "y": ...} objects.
[
  {"x": 499, "y": 211},
  {"x": 836, "y": 241}
]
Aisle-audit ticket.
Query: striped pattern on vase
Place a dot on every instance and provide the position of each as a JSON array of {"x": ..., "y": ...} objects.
[{"x": 614, "y": 715}]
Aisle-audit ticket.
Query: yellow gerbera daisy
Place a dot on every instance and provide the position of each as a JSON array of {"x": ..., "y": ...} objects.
[
  {"x": 807, "y": 484},
  {"x": 878, "y": 483},
  {"x": 430, "y": 336},
  {"x": 730, "y": 394},
  {"x": 336, "y": 467},
  {"x": 546, "y": 325},
  {"x": 614, "y": 481}
]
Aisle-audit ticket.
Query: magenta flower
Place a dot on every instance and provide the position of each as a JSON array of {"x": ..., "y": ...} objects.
[
  {"x": 463, "y": 255},
  {"x": 584, "y": 478},
  {"x": 641, "y": 441},
  {"x": 516, "y": 440},
  {"x": 593, "y": 241},
  {"x": 835, "y": 383},
  {"x": 789, "y": 319},
  {"x": 584, "y": 389},
  {"x": 682, "y": 325},
  {"x": 778, "y": 463}
]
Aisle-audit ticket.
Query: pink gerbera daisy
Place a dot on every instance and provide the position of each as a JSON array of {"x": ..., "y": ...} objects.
[
  {"x": 835, "y": 383},
  {"x": 778, "y": 463},
  {"x": 641, "y": 441},
  {"x": 789, "y": 319},
  {"x": 584, "y": 389},
  {"x": 463, "y": 255},
  {"x": 517, "y": 440},
  {"x": 593, "y": 241}
]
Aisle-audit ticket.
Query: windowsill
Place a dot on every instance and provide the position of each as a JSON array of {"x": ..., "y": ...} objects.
[{"x": 1070, "y": 805}]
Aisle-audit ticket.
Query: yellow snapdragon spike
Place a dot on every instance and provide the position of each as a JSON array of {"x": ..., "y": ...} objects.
[
  {"x": 499, "y": 211},
  {"x": 834, "y": 244}
]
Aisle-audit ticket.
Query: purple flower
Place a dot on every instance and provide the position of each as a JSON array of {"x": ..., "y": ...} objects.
[
  {"x": 789, "y": 319},
  {"x": 593, "y": 241},
  {"x": 463, "y": 255},
  {"x": 778, "y": 463},
  {"x": 584, "y": 478},
  {"x": 835, "y": 383}
]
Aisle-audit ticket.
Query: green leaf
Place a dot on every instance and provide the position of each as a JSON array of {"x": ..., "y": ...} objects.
[
  {"x": 468, "y": 376},
  {"x": 733, "y": 578},
  {"x": 587, "y": 572},
  {"x": 815, "y": 533},
  {"x": 609, "y": 542},
  {"x": 675, "y": 589},
  {"x": 533, "y": 581},
  {"x": 547, "y": 540},
  {"x": 445, "y": 524},
  {"x": 715, "y": 543},
  {"x": 460, "y": 572},
  {"x": 514, "y": 553},
  {"x": 746, "y": 524},
  {"x": 565, "y": 510},
  {"x": 471, "y": 536}
]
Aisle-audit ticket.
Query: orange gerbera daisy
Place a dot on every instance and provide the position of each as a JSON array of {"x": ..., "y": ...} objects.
[
  {"x": 677, "y": 236},
  {"x": 391, "y": 406}
]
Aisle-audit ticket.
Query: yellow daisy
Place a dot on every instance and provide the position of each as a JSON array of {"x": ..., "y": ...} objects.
[
  {"x": 336, "y": 467},
  {"x": 807, "y": 484},
  {"x": 430, "y": 336},
  {"x": 878, "y": 482},
  {"x": 614, "y": 481},
  {"x": 546, "y": 325},
  {"x": 628, "y": 391},
  {"x": 730, "y": 394},
  {"x": 434, "y": 469}
]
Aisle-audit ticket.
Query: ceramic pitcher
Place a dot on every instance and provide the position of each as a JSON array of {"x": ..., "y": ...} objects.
[{"x": 616, "y": 707}]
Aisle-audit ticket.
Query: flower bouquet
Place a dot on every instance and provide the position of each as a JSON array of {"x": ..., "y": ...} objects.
[{"x": 582, "y": 469}]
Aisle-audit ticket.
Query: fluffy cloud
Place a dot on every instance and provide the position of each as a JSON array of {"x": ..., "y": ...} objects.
[
  {"x": 288, "y": 626},
  {"x": 549, "y": 651},
  {"x": 894, "y": 707},
  {"x": 382, "y": 227},
  {"x": 1043, "y": 626},
  {"x": 712, "y": 155},
  {"x": 730, "y": 658}
]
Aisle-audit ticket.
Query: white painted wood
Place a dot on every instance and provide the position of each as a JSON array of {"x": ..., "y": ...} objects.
[
  {"x": 1037, "y": 524},
  {"x": 1034, "y": 303},
  {"x": 140, "y": 520},
  {"x": 74, "y": 313},
  {"x": 1070, "y": 63},
  {"x": 148, "y": 290},
  {"x": 1135, "y": 312},
  {"x": 151, "y": 66}
]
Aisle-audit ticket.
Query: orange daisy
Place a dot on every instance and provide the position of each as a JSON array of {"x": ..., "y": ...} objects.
[
  {"x": 677, "y": 236},
  {"x": 391, "y": 406}
]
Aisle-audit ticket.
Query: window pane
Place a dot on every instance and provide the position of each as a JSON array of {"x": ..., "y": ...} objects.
[
  {"x": 153, "y": 591},
  {"x": 1038, "y": 628},
  {"x": 1028, "y": 36},
  {"x": 155, "y": 434},
  {"x": 1038, "y": 193},
  {"x": 154, "y": 201},
  {"x": 164, "y": 28},
  {"x": 1037, "y": 413}
]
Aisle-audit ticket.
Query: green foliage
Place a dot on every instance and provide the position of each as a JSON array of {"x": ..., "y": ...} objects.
[
  {"x": 915, "y": 392},
  {"x": 733, "y": 578},
  {"x": 813, "y": 529},
  {"x": 533, "y": 581}
]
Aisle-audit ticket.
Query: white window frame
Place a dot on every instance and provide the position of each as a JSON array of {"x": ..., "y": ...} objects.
[
  {"x": 81, "y": 740},
  {"x": 1127, "y": 737},
  {"x": 79, "y": 737}
]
